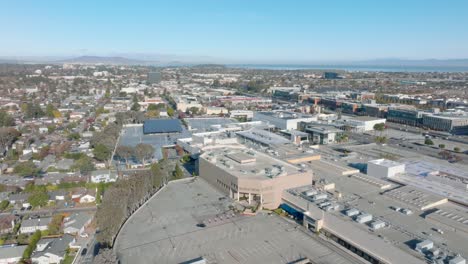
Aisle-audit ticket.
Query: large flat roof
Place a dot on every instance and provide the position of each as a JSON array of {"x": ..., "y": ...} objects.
[
  {"x": 248, "y": 163},
  {"x": 417, "y": 198},
  {"x": 165, "y": 229},
  {"x": 162, "y": 126}
]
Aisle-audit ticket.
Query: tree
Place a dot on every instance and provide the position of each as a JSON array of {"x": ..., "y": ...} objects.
[
  {"x": 178, "y": 173},
  {"x": 456, "y": 149},
  {"x": 32, "y": 245},
  {"x": 143, "y": 152},
  {"x": 442, "y": 146},
  {"x": 193, "y": 110},
  {"x": 101, "y": 152},
  {"x": 84, "y": 165},
  {"x": 33, "y": 111},
  {"x": 38, "y": 197},
  {"x": 170, "y": 111},
  {"x": 106, "y": 256},
  {"x": 55, "y": 224},
  {"x": 50, "y": 108},
  {"x": 381, "y": 140},
  {"x": 428, "y": 142},
  {"x": 125, "y": 152},
  {"x": 7, "y": 137},
  {"x": 379, "y": 127},
  {"x": 73, "y": 136},
  {"x": 135, "y": 107},
  {"x": 6, "y": 120},
  {"x": 4, "y": 204},
  {"x": 27, "y": 168}
]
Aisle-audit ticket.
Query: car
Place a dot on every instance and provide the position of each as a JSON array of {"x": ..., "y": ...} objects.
[{"x": 84, "y": 251}]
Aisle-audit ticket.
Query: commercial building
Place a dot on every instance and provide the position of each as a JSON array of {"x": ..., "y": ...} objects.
[
  {"x": 346, "y": 233},
  {"x": 159, "y": 126},
  {"x": 322, "y": 134},
  {"x": 416, "y": 198},
  {"x": 383, "y": 168},
  {"x": 453, "y": 124},
  {"x": 360, "y": 123},
  {"x": 246, "y": 174},
  {"x": 407, "y": 116},
  {"x": 283, "y": 120}
]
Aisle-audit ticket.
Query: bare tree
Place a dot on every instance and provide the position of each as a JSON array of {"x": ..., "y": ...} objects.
[
  {"x": 125, "y": 152},
  {"x": 144, "y": 152}
]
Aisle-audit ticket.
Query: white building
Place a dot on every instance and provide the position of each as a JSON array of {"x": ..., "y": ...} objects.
[
  {"x": 103, "y": 176},
  {"x": 362, "y": 123},
  {"x": 283, "y": 120},
  {"x": 11, "y": 254},
  {"x": 424, "y": 245},
  {"x": 383, "y": 168},
  {"x": 241, "y": 113},
  {"x": 31, "y": 225}
]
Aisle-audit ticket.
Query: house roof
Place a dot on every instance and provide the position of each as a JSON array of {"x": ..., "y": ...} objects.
[
  {"x": 5, "y": 221},
  {"x": 162, "y": 126},
  {"x": 7, "y": 252},
  {"x": 77, "y": 220},
  {"x": 18, "y": 197},
  {"x": 36, "y": 222},
  {"x": 56, "y": 247}
]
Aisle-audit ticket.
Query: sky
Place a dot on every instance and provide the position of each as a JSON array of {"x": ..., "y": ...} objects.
[{"x": 241, "y": 31}]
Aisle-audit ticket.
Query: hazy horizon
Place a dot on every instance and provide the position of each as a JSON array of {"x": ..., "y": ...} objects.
[{"x": 238, "y": 31}]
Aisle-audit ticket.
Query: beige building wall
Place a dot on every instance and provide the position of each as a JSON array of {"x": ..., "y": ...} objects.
[{"x": 266, "y": 190}]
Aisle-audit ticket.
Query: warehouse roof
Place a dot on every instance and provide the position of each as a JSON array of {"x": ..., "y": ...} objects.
[{"x": 162, "y": 126}]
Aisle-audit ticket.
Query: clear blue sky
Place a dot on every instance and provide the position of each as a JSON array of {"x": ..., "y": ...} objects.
[{"x": 241, "y": 30}]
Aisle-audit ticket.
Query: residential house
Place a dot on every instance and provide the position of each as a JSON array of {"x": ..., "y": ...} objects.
[
  {"x": 76, "y": 223},
  {"x": 103, "y": 176},
  {"x": 88, "y": 197},
  {"x": 52, "y": 250},
  {"x": 58, "y": 195},
  {"x": 19, "y": 199},
  {"x": 77, "y": 193},
  {"x": 11, "y": 254},
  {"x": 31, "y": 225},
  {"x": 64, "y": 164},
  {"x": 7, "y": 224}
]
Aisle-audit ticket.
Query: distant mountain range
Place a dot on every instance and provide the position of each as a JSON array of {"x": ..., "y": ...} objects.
[
  {"x": 175, "y": 60},
  {"x": 103, "y": 60}
]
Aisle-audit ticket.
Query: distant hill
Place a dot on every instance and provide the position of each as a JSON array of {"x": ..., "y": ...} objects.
[{"x": 103, "y": 60}]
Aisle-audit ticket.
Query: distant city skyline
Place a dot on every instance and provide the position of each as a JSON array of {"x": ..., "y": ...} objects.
[{"x": 237, "y": 31}]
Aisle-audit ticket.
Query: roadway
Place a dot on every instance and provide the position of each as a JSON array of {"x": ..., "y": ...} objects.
[{"x": 51, "y": 211}]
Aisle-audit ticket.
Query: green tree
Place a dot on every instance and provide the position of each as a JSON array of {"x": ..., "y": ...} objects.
[
  {"x": 178, "y": 173},
  {"x": 84, "y": 165},
  {"x": 135, "y": 107},
  {"x": 442, "y": 146},
  {"x": 4, "y": 204},
  {"x": 50, "y": 109},
  {"x": 55, "y": 224},
  {"x": 456, "y": 149},
  {"x": 27, "y": 168},
  {"x": 73, "y": 136},
  {"x": 381, "y": 140},
  {"x": 170, "y": 111},
  {"x": 6, "y": 120},
  {"x": 38, "y": 198},
  {"x": 428, "y": 142},
  {"x": 32, "y": 245},
  {"x": 101, "y": 152}
]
